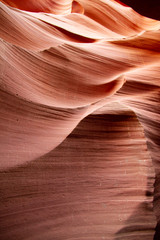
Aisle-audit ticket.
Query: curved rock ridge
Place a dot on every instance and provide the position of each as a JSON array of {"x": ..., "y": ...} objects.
[
  {"x": 79, "y": 85},
  {"x": 97, "y": 184},
  {"x": 62, "y": 69},
  {"x": 49, "y": 6}
]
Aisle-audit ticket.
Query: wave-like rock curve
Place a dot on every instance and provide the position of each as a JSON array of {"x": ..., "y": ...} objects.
[{"x": 79, "y": 85}]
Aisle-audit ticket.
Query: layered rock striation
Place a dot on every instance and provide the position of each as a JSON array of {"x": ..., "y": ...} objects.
[{"x": 79, "y": 121}]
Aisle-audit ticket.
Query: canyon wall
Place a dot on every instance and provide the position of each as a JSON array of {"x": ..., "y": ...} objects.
[{"x": 79, "y": 121}]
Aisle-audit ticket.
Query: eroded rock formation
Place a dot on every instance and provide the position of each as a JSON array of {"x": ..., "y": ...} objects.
[{"x": 79, "y": 121}]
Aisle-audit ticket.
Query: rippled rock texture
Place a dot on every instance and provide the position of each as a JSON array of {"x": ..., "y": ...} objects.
[{"x": 79, "y": 121}]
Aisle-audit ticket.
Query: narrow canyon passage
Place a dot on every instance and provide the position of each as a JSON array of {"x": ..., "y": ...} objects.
[{"x": 79, "y": 120}]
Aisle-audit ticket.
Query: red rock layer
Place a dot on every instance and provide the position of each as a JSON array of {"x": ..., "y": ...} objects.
[
  {"x": 60, "y": 63},
  {"x": 48, "y": 6},
  {"x": 97, "y": 184}
]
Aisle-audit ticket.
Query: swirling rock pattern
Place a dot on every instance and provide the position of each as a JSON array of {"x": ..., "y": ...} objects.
[{"x": 79, "y": 121}]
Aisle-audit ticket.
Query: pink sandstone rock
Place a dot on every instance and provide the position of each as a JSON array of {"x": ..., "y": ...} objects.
[{"x": 79, "y": 121}]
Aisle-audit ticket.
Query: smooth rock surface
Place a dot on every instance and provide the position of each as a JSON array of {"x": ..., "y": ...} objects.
[{"x": 79, "y": 121}]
